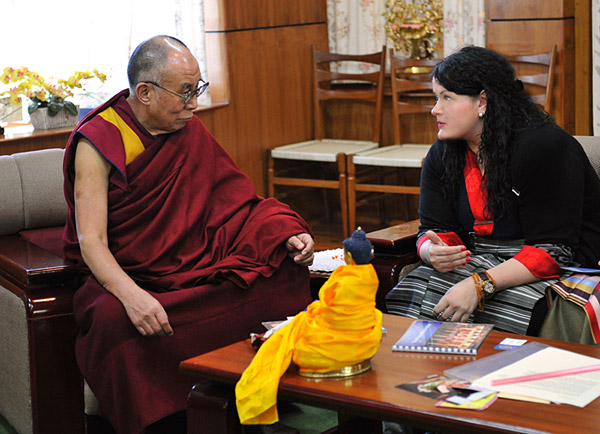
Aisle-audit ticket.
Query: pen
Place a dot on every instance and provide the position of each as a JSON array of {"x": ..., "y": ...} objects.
[{"x": 543, "y": 375}]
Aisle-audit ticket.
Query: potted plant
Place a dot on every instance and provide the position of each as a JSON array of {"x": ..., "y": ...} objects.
[{"x": 48, "y": 106}]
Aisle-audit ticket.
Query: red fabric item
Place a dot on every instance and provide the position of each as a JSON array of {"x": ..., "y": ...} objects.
[
  {"x": 450, "y": 238},
  {"x": 539, "y": 262},
  {"x": 483, "y": 224},
  {"x": 47, "y": 238},
  {"x": 136, "y": 379},
  {"x": 186, "y": 223}
]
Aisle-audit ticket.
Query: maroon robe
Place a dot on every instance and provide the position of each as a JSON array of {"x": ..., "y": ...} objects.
[{"x": 185, "y": 224}]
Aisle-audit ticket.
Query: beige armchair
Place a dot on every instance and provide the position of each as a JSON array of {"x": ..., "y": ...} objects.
[{"x": 41, "y": 390}]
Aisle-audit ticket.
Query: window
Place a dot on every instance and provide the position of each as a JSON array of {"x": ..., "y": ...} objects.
[{"x": 56, "y": 38}]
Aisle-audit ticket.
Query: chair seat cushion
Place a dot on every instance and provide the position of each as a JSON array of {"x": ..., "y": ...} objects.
[
  {"x": 324, "y": 150},
  {"x": 407, "y": 155},
  {"x": 47, "y": 238}
]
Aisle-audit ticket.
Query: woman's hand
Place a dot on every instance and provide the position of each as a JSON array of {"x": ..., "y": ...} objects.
[
  {"x": 441, "y": 256},
  {"x": 458, "y": 303}
]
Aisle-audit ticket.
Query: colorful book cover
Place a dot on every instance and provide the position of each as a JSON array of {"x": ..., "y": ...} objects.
[{"x": 443, "y": 337}]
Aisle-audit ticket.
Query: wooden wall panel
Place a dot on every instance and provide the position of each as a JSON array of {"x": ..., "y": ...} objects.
[
  {"x": 259, "y": 61},
  {"x": 583, "y": 70},
  {"x": 226, "y": 15},
  {"x": 270, "y": 94},
  {"x": 529, "y": 9},
  {"x": 530, "y": 26},
  {"x": 537, "y": 36}
]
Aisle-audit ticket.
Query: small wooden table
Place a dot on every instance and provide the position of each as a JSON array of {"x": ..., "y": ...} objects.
[{"x": 211, "y": 405}]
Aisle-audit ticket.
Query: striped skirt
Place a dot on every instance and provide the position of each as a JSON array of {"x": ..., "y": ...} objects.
[{"x": 509, "y": 310}]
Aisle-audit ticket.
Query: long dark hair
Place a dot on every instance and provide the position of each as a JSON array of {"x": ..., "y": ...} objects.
[{"x": 509, "y": 110}]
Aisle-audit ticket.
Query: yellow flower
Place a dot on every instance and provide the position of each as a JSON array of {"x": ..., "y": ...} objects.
[{"x": 40, "y": 91}]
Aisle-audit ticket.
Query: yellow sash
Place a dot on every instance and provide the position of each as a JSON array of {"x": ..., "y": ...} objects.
[{"x": 342, "y": 328}]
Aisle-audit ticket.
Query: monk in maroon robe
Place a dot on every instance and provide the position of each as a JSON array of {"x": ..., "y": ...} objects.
[{"x": 183, "y": 256}]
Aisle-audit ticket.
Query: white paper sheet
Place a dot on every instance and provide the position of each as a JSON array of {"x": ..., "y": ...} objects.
[
  {"x": 578, "y": 390},
  {"x": 327, "y": 260}
]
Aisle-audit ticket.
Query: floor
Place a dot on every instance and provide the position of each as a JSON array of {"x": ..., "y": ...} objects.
[
  {"x": 5, "y": 428},
  {"x": 306, "y": 419}
]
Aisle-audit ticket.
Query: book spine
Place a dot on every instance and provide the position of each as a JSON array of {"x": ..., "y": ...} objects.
[{"x": 469, "y": 351}]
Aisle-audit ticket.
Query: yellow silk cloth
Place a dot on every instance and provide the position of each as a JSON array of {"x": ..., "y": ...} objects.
[{"x": 341, "y": 328}]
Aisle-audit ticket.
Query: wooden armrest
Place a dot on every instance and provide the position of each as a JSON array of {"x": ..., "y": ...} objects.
[
  {"x": 395, "y": 240},
  {"x": 27, "y": 264},
  {"x": 395, "y": 247},
  {"x": 44, "y": 283}
]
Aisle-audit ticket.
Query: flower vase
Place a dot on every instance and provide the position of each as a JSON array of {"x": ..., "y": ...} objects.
[{"x": 41, "y": 119}]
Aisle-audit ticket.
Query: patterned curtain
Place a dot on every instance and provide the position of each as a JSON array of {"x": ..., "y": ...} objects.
[
  {"x": 596, "y": 66},
  {"x": 356, "y": 26},
  {"x": 464, "y": 24}
]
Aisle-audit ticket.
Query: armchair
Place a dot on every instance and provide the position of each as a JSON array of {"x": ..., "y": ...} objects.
[{"x": 41, "y": 390}]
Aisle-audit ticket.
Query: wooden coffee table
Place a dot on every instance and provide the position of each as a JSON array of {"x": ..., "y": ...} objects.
[{"x": 373, "y": 395}]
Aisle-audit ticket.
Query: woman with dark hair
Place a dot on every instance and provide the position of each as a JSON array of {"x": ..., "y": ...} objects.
[{"x": 507, "y": 199}]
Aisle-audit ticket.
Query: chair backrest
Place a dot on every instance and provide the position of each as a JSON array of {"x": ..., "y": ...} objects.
[
  {"x": 330, "y": 83},
  {"x": 536, "y": 71},
  {"x": 591, "y": 146},
  {"x": 32, "y": 191},
  {"x": 411, "y": 89}
]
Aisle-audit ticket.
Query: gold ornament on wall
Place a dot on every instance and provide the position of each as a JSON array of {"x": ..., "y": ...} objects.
[{"x": 414, "y": 26}]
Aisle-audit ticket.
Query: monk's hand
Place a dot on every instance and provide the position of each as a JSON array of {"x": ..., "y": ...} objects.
[
  {"x": 458, "y": 303},
  {"x": 147, "y": 314},
  {"x": 301, "y": 248},
  {"x": 442, "y": 256}
]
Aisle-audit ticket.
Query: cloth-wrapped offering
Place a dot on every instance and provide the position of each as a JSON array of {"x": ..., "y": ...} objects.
[{"x": 340, "y": 329}]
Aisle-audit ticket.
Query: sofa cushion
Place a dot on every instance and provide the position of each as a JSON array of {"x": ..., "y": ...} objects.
[
  {"x": 42, "y": 187},
  {"x": 12, "y": 218},
  {"x": 15, "y": 382}
]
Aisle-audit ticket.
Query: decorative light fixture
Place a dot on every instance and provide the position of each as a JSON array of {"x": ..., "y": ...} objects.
[{"x": 414, "y": 26}]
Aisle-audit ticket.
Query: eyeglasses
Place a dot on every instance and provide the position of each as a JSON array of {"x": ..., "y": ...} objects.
[{"x": 187, "y": 97}]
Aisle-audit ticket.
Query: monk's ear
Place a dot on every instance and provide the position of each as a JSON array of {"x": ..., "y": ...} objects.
[{"x": 143, "y": 92}]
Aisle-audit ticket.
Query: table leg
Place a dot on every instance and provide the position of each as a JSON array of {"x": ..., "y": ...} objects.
[
  {"x": 211, "y": 410},
  {"x": 350, "y": 424}
]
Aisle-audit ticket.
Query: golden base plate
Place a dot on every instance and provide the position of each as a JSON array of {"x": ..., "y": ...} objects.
[{"x": 346, "y": 371}]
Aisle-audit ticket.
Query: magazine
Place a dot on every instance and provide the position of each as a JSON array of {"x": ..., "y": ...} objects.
[
  {"x": 479, "y": 368},
  {"x": 443, "y": 337}
]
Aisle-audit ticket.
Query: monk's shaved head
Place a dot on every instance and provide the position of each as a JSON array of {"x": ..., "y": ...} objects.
[{"x": 149, "y": 59}]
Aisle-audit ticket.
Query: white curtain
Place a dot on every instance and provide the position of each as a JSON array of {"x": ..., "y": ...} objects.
[
  {"x": 596, "y": 66},
  {"x": 56, "y": 38},
  {"x": 464, "y": 24}
]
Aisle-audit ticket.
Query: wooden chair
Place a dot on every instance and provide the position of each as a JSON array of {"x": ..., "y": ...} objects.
[
  {"x": 536, "y": 71},
  {"x": 411, "y": 94},
  {"x": 330, "y": 85}
]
